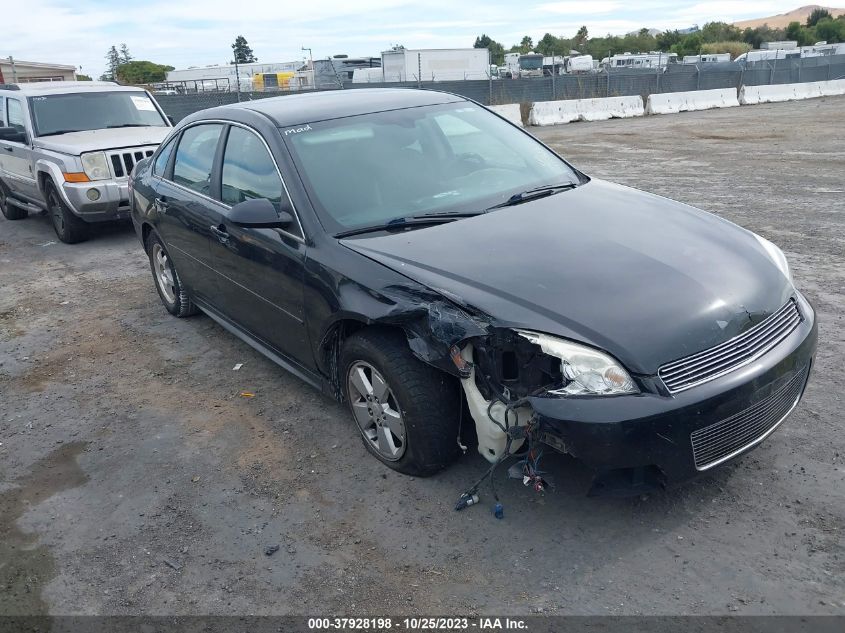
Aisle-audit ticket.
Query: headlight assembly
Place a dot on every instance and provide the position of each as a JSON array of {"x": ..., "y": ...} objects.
[
  {"x": 776, "y": 255},
  {"x": 95, "y": 166},
  {"x": 588, "y": 371}
]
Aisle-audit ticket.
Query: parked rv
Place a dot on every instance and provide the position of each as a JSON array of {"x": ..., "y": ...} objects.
[
  {"x": 627, "y": 61},
  {"x": 707, "y": 58}
]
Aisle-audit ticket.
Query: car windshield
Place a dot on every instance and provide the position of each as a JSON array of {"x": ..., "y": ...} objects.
[
  {"x": 454, "y": 158},
  {"x": 81, "y": 111}
]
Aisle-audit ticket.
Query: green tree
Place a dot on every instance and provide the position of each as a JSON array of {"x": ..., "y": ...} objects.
[
  {"x": 81, "y": 77},
  {"x": 581, "y": 37},
  {"x": 139, "y": 72},
  {"x": 125, "y": 57},
  {"x": 765, "y": 33},
  {"x": 497, "y": 51},
  {"x": 526, "y": 45},
  {"x": 667, "y": 40},
  {"x": 720, "y": 32},
  {"x": 690, "y": 45},
  {"x": 549, "y": 45},
  {"x": 793, "y": 31},
  {"x": 817, "y": 16},
  {"x": 112, "y": 62},
  {"x": 829, "y": 30},
  {"x": 242, "y": 52}
]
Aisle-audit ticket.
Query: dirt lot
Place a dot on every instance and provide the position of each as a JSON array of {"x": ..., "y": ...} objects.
[{"x": 136, "y": 479}]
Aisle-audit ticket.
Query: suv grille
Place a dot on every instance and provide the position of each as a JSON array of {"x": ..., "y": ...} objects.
[
  {"x": 738, "y": 351},
  {"x": 124, "y": 160},
  {"x": 719, "y": 442}
]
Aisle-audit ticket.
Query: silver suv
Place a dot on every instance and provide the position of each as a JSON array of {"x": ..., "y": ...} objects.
[{"x": 68, "y": 148}]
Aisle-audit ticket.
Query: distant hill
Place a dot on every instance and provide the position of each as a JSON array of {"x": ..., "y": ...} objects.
[{"x": 782, "y": 20}]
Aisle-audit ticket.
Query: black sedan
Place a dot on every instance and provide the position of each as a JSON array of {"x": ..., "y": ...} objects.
[{"x": 424, "y": 261}]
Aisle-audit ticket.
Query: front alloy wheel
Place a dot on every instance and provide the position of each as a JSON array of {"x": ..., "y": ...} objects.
[
  {"x": 376, "y": 411},
  {"x": 407, "y": 411}
]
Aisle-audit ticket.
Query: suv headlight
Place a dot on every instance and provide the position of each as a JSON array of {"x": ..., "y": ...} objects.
[
  {"x": 95, "y": 166},
  {"x": 589, "y": 371},
  {"x": 776, "y": 255}
]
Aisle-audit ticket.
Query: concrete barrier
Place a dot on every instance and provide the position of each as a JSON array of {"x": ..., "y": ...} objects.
[
  {"x": 510, "y": 111},
  {"x": 556, "y": 112},
  {"x": 751, "y": 95},
  {"x": 673, "y": 102}
]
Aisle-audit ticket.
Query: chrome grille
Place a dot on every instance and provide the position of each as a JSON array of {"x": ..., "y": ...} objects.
[
  {"x": 719, "y": 442},
  {"x": 738, "y": 351},
  {"x": 124, "y": 160}
]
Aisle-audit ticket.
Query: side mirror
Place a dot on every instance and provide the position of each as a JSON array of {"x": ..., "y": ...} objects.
[
  {"x": 12, "y": 134},
  {"x": 259, "y": 213}
]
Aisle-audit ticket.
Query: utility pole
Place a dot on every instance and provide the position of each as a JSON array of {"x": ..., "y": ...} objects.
[
  {"x": 238, "y": 80},
  {"x": 14, "y": 70},
  {"x": 311, "y": 60}
]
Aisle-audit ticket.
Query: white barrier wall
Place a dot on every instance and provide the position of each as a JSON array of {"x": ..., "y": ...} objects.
[
  {"x": 672, "y": 102},
  {"x": 510, "y": 111},
  {"x": 750, "y": 95},
  {"x": 555, "y": 112}
]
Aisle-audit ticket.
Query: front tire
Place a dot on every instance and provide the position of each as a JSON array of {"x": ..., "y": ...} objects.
[
  {"x": 407, "y": 411},
  {"x": 10, "y": 211},
  {"x": 69, "y": 228},
  {"x": 167, "y": 281}
]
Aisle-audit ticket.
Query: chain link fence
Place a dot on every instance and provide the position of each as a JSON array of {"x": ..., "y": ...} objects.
[{"x": 675, "y": 78}]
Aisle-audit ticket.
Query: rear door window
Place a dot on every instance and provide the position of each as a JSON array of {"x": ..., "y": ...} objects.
[
  {"x": 14, "y": 115},
  {"x": 195, "y": 157}
]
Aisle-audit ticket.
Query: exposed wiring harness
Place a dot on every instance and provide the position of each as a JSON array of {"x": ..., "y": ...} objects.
[{"x": 529, "y": 466}]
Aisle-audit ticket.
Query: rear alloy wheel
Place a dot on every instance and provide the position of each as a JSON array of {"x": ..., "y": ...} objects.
[
  {"x": 69, "y": 228},
  {"x": 168, "y": 284},
  {"x": 10, "y": 211},
  {"x": 406, "y": 410}
]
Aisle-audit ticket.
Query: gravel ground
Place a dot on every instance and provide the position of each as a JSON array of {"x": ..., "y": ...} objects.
[{"x": 135, "y": 479}]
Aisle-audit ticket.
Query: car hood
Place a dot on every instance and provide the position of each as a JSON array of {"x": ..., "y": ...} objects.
[
  {"x": 645, "y": 278},
  {"x": 92, "y": 140}
]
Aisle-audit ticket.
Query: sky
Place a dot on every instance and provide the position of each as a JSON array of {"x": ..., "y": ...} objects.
[{"x": 185, "y": 33}]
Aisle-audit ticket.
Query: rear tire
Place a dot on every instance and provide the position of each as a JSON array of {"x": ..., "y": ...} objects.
[
  {"x": 167, "y": 281},
  {"x": 410, "y": 419},
  {"x": 10, "y": 211},
  {"x": 69, "y": 228}
]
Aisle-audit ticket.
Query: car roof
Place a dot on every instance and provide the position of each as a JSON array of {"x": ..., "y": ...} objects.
[
  {"x": 65, "y": 87},
  {"x": 333, "y": 104}
]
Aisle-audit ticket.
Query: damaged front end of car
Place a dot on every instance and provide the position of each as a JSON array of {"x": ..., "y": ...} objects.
[{"x": 504, "y": 371}]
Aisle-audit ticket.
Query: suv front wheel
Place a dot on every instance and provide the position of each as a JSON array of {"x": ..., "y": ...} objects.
[{"x": 69, "y": 228}]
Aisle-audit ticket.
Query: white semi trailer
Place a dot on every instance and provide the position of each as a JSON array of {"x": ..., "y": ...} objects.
[{"x": 435, "y": 64}]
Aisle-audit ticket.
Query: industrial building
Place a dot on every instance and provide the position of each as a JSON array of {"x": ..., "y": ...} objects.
[{"x": 18, "y": 71}]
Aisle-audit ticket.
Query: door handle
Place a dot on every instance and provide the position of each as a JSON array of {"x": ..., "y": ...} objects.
[
  {"x": 220, "y": 232},
  {"x": 9, "y": 149}
]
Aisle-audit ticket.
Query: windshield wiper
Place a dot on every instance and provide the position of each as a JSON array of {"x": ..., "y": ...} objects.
[
  {"x": 425, "y": 219},
  {"x": 129, "y": 125},
  {"x": 58, "y": 132},
  {"x": 532, "y": 194}
]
